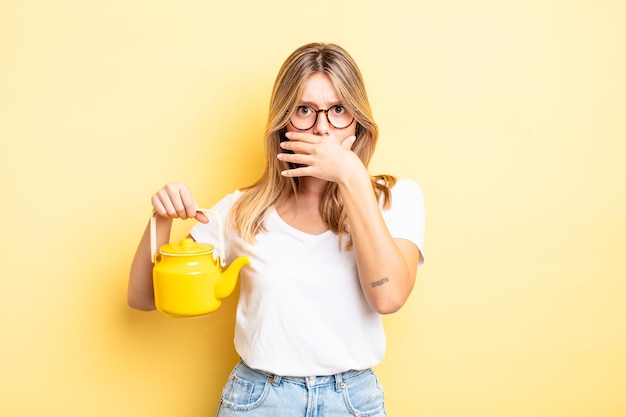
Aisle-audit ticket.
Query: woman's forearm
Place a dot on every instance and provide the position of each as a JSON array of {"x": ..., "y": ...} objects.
[
  {"x": 386, "y": 266},
  {"x": 140, "y": 287}
]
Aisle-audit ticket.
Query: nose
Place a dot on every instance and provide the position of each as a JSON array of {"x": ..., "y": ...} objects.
[{"x": 322, "y": 125}]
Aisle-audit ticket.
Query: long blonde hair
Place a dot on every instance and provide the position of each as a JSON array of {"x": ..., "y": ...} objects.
[{"x": 272, "y": 188}]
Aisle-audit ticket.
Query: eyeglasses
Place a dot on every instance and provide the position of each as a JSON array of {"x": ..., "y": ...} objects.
[{"x": 305, "y": 117}]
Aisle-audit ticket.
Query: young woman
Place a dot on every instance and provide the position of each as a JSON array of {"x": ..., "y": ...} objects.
[{"x": 331, "y": 249}]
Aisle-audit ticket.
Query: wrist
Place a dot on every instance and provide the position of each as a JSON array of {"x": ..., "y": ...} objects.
[{"x": 356, "y": 178}]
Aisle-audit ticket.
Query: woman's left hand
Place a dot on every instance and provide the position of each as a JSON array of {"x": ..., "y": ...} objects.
[{"x": 319, "y": 156}]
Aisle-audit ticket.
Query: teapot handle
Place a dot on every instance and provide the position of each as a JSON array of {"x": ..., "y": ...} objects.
[{"x": 220, "y": 235}]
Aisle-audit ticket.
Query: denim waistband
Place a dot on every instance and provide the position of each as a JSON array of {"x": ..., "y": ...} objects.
[{"x": 312, "y": 381}]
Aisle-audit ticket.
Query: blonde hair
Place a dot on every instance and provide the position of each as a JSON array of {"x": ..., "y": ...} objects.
[{"x": 272, "y": 188}]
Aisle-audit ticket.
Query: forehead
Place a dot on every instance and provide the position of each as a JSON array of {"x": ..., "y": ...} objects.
[{"x": 319, "y": 90}]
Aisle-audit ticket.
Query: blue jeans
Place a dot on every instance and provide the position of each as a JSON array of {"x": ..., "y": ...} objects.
[{"x": 253, "y": 393}]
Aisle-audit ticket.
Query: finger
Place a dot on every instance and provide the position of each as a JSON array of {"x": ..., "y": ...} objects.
[
  {"x": 162, "y": 203},
  {"x": 189, "y": 206},
  {"x": 297, "y": 147},
  {"x": 301, "y": 137},
  {"x": 348, "y": 142},
  {"x": 158, "y": 206},
  {"x": 173, "y": 201},
  {"x": 290, "y": 157},
  {"x": 296, "y": 172},
  {"x": 177, "y": 201},
  {"x": 201, "y": 217}
]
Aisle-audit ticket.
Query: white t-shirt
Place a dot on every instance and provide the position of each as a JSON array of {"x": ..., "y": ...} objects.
[{"x": 301, "y": 310}]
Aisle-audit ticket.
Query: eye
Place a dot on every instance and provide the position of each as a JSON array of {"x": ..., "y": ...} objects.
[
  {"x": 339, "y": 109},
  {"x": 303, "y": 111}
]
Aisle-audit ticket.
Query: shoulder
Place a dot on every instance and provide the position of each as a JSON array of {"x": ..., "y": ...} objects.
[
  {"x": 399, "y": 185},
  {"x": 405, "y": 218},
  {"x": 406, "y": 185},
  {"x": 220, "y": 211},
  {"x": 406, "y": 191},
  {"x": 228, "y": 200}
]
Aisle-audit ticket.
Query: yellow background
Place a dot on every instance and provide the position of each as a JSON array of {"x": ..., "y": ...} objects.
[{"x": 510, "y": 114}]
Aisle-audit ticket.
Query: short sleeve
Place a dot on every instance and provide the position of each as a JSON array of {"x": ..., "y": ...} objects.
[
  {"x": 405, "y": 218},
  {"x": 207, "y": 233}
]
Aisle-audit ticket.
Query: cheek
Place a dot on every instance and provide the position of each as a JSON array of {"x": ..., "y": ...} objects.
[
  {"x": 352, "y": 129},
  {"x": 349, "y": 131}
]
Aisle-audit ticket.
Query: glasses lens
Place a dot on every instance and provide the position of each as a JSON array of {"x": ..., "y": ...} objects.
[
  {"x": 339, "y": 117},
  {"x": 304, "y": 118}
]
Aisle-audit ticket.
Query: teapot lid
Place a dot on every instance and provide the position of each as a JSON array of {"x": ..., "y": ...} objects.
[{"x": 186, "y": 246}]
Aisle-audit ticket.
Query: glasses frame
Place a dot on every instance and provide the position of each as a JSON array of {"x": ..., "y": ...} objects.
[{"x": 325, "y": 111}]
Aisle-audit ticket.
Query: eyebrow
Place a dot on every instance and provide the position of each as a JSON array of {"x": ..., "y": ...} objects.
[{"x": 311, "y": 104}]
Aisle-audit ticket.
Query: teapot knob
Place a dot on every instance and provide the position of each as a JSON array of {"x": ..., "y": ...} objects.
[{"x": 186, "y": 243}]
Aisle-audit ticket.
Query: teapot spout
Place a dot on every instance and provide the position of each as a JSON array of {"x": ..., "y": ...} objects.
[{"x": 227, "y": 282}]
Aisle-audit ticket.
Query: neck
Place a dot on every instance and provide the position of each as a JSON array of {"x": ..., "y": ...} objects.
[{"x": 311, "y": 186}]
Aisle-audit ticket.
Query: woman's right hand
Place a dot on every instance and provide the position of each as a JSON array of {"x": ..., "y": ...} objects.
[{"x": 175, "y": 200}]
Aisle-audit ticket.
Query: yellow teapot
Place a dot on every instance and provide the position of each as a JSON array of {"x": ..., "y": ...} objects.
[{"x": 188, "y": 281}]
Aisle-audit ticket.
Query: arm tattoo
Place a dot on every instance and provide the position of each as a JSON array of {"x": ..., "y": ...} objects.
[{"x": 380, "y": 282}]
